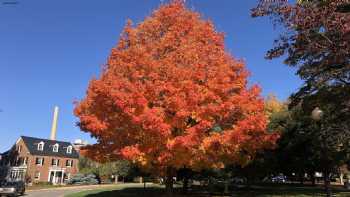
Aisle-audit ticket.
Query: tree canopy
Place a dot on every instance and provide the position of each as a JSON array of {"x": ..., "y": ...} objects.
[
  {"x": 171, "y": 96},
  {"x": 315, "y": 40}
]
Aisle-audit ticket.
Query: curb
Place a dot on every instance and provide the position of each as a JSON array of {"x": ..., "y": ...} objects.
[{"x": 72, "y": 187}]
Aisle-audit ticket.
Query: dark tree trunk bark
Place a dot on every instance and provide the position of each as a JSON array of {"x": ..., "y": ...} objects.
[
  {"x": 185, "y": 185},
  {"x": 169, "y": 182},
  {"x": 327, "y": 183},
  {"x": 301, "y": 179},
  {"x": 313, "y": 179},
  {"x": 249, "y": 182},
  {"x": 169, "y": 185}
]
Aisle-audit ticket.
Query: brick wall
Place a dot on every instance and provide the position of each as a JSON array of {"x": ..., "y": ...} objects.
[{"x": 20, "y": 155}]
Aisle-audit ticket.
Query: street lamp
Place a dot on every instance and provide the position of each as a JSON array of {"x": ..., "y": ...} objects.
[{"x": 316, "y": 114}]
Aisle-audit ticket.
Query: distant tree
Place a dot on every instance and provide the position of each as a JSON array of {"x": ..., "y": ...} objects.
[
  {"x": 87, "y": 166},
  {"x": 273, "y": 105},
  {"x": 309, "y": 146},
  {"x": 117, "y": 169},
  {"x": 106, "y": 170},
  {"x": 171, "y": 96}
]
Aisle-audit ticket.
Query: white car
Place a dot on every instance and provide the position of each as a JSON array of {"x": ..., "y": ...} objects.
[{"x": 12, "y": 189}]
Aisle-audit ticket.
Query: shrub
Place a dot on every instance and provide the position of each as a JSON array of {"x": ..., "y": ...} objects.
[{"x": 81, "y": 179}]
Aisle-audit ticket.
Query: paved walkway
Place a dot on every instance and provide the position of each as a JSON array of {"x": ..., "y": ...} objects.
[{"x": 62, "y": 191}]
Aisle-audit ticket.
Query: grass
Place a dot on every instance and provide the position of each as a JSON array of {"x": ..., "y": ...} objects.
[{"x": 256, "y": 191}]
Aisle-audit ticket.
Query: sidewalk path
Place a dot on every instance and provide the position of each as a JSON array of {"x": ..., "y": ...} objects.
[{"x": 62, "y": 191}]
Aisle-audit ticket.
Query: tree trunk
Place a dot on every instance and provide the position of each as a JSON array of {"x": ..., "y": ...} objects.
[
  {"x": 169, "y": 185},
  {"x": 313, "y": 179},
  {"x": 116, "y": 179},
  {"x": 169, "y": 182},
  {"x": 249, "y": 182},
  {"x": 301, "y": 179},
  {"x": 327, "y": 184},
  {"x": 185, "y": 185},
  {"x": 341, "y": 178},
  {"x": 226, "y": 191}
]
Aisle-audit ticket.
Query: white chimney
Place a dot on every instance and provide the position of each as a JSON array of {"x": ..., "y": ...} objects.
[{"x": 54, "y": 124}]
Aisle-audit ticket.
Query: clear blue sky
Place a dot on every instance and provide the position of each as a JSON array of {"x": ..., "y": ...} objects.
[{"x": 49, "y": 50}]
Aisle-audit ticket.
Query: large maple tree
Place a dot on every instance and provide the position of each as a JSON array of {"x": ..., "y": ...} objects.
[{"x": 170, "y": 96}]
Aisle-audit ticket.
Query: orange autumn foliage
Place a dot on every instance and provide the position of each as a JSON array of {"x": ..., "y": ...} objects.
[{"x": 171, "y": 96}]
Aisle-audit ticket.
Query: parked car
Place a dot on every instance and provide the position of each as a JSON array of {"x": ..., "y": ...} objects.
[
  {"x": 12, "y": 188},
  {"x": 238, "y": 180},
  {"x": 279, "y": 179}
]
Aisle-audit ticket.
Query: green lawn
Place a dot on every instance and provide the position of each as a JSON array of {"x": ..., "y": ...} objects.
[{"x": 137, "y": 190}]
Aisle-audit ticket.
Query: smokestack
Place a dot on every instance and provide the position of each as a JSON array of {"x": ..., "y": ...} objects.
[{"x": 54, "y": 124}]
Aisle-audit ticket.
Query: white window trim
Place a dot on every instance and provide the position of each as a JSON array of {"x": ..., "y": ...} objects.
[
  {"x": 69, "y": 149},
  {"x": 55, "y": 148},
  {"x": 42, "y": 146}
]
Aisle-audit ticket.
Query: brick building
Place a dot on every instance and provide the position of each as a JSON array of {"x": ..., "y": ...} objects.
[{"x": 39, "y": 160}]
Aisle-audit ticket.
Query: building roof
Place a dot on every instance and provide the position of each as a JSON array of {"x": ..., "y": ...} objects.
[{"x": 32, "y": 145}]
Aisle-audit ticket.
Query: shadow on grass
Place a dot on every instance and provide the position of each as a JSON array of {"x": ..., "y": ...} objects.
[
  {"x": 130, "y": 192},
  {"x": 258, "y": 191}
]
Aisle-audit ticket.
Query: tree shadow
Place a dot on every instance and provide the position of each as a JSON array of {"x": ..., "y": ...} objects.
[
  {"x": 130, "y": 192},
  {"x": 148, "y": 192},
  {"x": 243, "y": 192}
]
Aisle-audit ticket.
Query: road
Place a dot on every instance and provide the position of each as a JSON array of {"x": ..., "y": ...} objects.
[{"x": 60, "y": 192}]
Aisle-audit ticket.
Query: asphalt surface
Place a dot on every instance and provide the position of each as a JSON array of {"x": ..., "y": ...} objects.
[{"x": 61, "y": 192}]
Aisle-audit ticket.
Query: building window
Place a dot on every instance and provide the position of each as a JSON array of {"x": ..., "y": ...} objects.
[
  {"x": 66, "y": 177},
  {"x": 55, "y": 148},
  {"x": 69, "y": 163},
  {"x": 19, "y": 161},
  {"x": 37, "y": 175},
  {"x": 25, "y": 161},
  {"x": 39, "y": 161},
  {"x": 55, "y": 162},
  {"x": 69, "y": 149},
  {"x": 41, "y": 146}
]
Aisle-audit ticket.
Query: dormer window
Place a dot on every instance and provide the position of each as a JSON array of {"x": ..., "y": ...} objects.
[
  {"x": 69, "y": 149},
  {"x": 55, "y": 148},
  {"x": 41, "y": 146}
]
